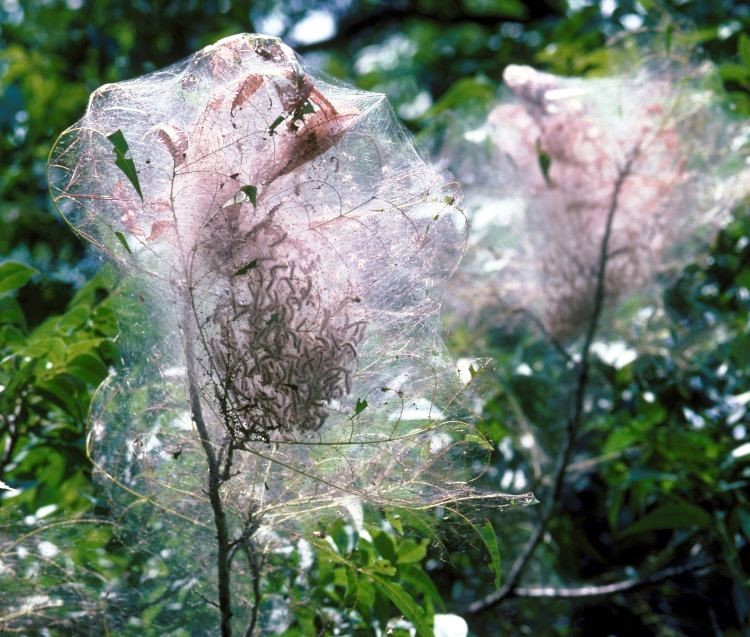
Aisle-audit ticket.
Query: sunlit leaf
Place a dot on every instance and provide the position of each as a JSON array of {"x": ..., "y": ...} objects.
[{"x": 14, "y": 275}]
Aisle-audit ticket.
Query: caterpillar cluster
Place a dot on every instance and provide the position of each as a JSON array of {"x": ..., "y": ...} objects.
[{"x": 280, "y": 348}]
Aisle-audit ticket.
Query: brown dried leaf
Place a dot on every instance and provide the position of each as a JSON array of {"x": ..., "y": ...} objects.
[
  {"x": 294, "y": 92},
  {"x": 158, "y": 228},
  {"x": 321, "y": 131}
]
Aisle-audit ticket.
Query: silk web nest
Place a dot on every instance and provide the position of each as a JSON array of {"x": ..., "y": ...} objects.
[
  {"x": 558, "y": 157},
  {"x": 280, "y": 234}
]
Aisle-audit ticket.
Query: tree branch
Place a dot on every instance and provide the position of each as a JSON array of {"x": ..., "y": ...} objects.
[
  {"x": 214, "y": 472},
  {"x": 545, "y": 332},
  {"x": 603, "y": 590},
  {"x": 576, "y": 417},
  {"x": 255, "y": 570}
]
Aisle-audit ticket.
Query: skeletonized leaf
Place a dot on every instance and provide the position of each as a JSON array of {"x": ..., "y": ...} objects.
[
  {"x": 176, "y": 141},
  {"x": 158, "y": 228},
  {"x": 247, "y": 88}
]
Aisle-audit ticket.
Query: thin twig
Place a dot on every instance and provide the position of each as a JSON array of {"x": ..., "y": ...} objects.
[
  {"x": 574, "y": 421},
  {"x": 545, "y": 332},
  {"x": 207, "y": 600}
]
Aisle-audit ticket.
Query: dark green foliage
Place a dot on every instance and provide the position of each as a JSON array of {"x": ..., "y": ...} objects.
[{"x": 47, "y": 374}]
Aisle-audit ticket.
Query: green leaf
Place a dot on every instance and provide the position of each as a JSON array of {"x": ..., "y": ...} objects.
[
  {"x": 74, "y": 318},
  {"x": 383, "y": 567},
  {"x": 251, "y": 192},
  {"x": 276, "y": 123},
  {"x": 11, "y": 336},
  {"x": 385, "y": 545},
  {"x": 125, "y": 164},
  {"x": 360, "y": 406},
  {"x": 118, "y": 141},
  {"x": 62, "y": 392},
  {"x": 14, "y": 275},
  {"x": 52, "y": 348},
  {"x": 406, "y": 604},
  {"x": 365, "y": 593},
  {"x": 123, "y": 241},
  {"x": 545, "y": 161},
  {"x": 11, "y": 312},
  {"x": 731, "y": 72},
  {"x": 409, "y": 551},
  {"x": 743, "y": 48},
  {"x": 414, "y": 576},
  {"x": 88, "y": 368},
  {"x": 490, "y": 541},
  {"x": 673, "y": 515},
  {"x": 246, "y": 268},
  {"x": 394, "y": 520}
]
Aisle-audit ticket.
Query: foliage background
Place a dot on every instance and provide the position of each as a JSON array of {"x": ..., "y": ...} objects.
[{"x": 654, "y": 483}]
